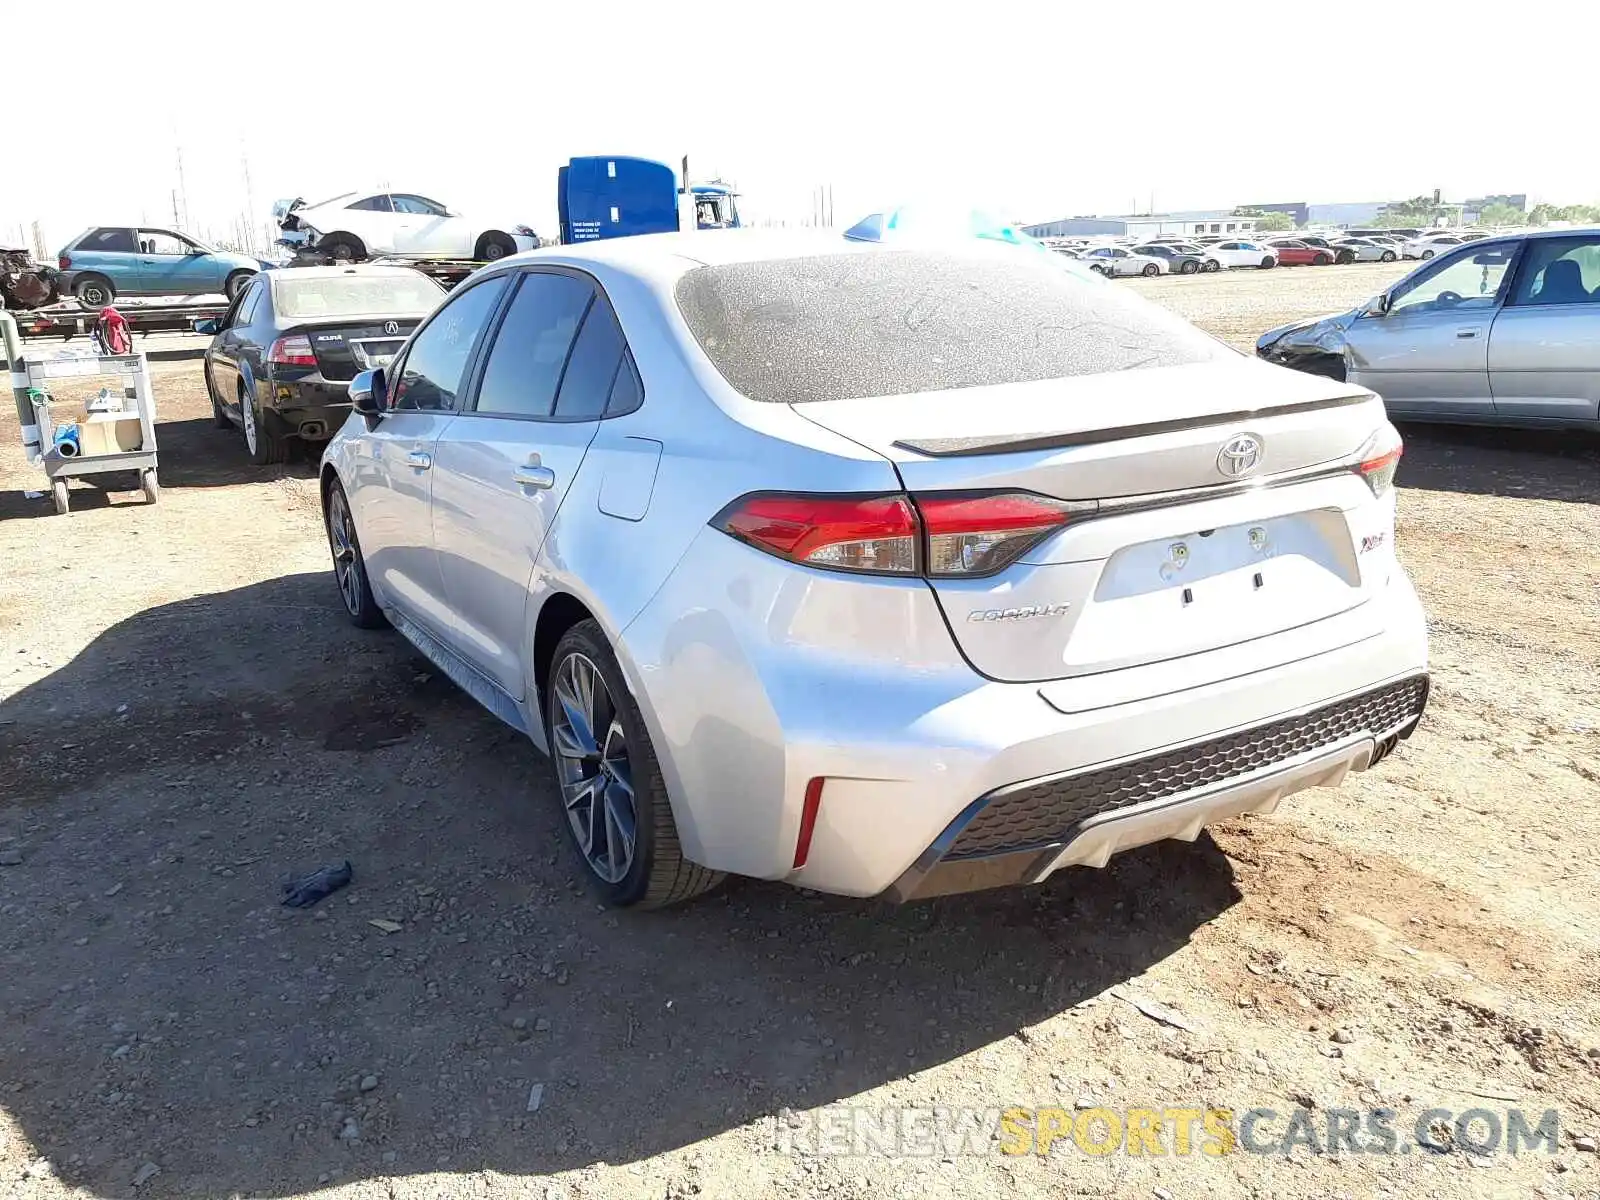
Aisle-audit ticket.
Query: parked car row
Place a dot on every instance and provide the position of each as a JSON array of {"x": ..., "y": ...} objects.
[{"x": 1175, "y": 256}]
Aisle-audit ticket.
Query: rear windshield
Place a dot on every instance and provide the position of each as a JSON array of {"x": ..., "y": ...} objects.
[
  {"x": 895, "y": 322},
  {"x": 407, "y": 294}
]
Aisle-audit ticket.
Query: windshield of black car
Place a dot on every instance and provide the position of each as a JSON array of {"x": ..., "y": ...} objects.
[
  {"x": 897, "y": 322},
  {"x": 402, "y": 294}
]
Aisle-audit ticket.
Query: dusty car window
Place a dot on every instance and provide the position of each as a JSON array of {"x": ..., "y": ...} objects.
[
  {"x": 387, "y": 295},
  {"x": 893, "y": 322}
]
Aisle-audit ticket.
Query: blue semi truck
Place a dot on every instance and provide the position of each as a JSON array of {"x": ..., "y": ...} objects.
[{"x": 603, "y": 196}]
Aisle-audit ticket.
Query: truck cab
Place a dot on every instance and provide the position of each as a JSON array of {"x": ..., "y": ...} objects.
[{"x": 616, "y": 196}]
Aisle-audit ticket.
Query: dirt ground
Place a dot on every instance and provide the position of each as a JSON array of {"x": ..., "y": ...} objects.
[{"x": 185, "y": 717}]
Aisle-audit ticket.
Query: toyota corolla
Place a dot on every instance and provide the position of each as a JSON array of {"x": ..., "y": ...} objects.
[{"x": 876, "y": 570}]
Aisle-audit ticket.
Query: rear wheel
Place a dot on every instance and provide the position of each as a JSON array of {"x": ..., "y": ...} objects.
[
  {"x": 94, "y": 291},
  {"x": 1211, "y": 264},
  {"x": 1388, "y": 256},
  {"x": 1321, "y": 260},
  {"x": 1426, "y": 255},
  {"x": 1268, "y": 263},
  {"x": 1150, "y": 269},
  {"x": 494, "y": 246},
  {"x": 1188, "y": 268},
  {"x": 261, "y": 437},
  {"x": 615, "y": 800},
  {"x": 349, "y": 568}
]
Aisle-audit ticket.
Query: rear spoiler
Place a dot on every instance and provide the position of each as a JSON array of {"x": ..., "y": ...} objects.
[{"x": 1017, "y": 443}]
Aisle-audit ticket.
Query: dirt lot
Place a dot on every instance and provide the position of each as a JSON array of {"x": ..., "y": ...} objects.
[{"x": 185, "y": 716}]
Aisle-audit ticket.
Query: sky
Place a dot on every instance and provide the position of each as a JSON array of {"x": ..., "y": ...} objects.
[{"x": 1029, "y": 112}]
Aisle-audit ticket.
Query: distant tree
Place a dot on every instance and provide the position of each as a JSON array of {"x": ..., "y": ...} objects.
[
  {"x": 1274, "y": 222},
  {"x": 1502, "y": 214}
]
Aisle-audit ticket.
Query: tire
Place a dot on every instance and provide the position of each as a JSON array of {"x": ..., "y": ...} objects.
[
  {"x": 1388, "y": 256},
  {"x": 615, "y": 771},
  {"x": 236, "y": 283},
  {"x": 1268, "y": 263},
  {"x": 1150, "y": 269},
  {"x": 219, "y": 415},
  {"x": 1426, "y": 255},
  {"x": 1211, "y": 266},
  {"x": 1321, "y": 260},
  {"x": 58, "y": 495},
  {"x": 342, "y": 248},
  {"x": 262, "y": 441},
  {"x": 150, "y": 486},
  {"x": 494, "y": 246},
  {"x": 94, "y": 291},
  {"x": 1097, "y": 268},
  {"x": 1189, "y": 268},
  {"x": 1346, "y": 257},
  {"x": 349, "y": 565}
]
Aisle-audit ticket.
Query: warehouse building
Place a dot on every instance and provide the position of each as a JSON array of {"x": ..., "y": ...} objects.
[{"x": 1148, "y": 225}]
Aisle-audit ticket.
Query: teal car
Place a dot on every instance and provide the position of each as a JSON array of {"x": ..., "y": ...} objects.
[{"x": 108, "y": 261}]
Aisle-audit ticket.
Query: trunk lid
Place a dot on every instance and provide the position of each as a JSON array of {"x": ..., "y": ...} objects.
[
  {"x": 1185, "y": 553},
  {"x": 346, "y": 346}
]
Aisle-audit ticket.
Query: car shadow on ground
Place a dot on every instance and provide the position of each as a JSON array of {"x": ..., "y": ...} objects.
[
  {"x": 195, "y": 453},
  {"x": 1527, "y": 464},
  {"x": 161, "y": 1007}
]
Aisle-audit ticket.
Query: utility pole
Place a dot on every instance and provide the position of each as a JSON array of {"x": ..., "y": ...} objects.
[
  {"x": 249, "y": 205},
  {"x": 183, "y": 189},
  {"x": 175, "y": 221}
]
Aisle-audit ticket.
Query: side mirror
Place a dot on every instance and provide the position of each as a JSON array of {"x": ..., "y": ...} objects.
[
  {"x": 208, "y": 325},
  {"x": 1377, "y": 306},
  {"x": 369, "y": 395}
]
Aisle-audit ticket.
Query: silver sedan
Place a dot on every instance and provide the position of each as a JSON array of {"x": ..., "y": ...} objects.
[
  {"x": 1499, "y": 331},
  {"x": 874, "y": 569}
]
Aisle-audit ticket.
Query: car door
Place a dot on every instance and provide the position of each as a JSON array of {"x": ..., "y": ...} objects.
[
  {"x": 222, "y": 357},
  {"x": 504, "y": 467},
  {"x": 425, "y": 227},
  {"x": 111, "y": 251},
  {"x": 1427, "y": 354},
  {"x": 164, "y": 266},
  {"x": 373, "y": 220},
  {"x": 1227, "y": 253},
  {"x": 393, "y": 463},
  {"x": 1544, "y": 346}
]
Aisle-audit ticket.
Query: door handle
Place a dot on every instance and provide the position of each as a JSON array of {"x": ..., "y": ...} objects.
[
  {"x": 419, "y": 459},
  {"x": 1467, "y": 333},
  {"x": 534, "y": 476}
]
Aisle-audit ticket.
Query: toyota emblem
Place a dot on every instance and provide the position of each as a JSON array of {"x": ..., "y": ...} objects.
[
  {"x": 1239, "y": 455},
  {"x": 391, "y": 327}
]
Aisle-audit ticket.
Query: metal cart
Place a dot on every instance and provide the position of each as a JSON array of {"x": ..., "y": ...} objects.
[{"x": 120, "y": 439}]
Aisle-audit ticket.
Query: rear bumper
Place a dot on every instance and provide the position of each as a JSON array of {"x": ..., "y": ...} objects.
[
  {"x": 310, "y": 407},
  {"x": 785, "y": 677},
  {"x": 1022, "y": 833}
]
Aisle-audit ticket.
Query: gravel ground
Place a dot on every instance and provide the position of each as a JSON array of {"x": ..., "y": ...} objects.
[{"x": 185, "y": 717}]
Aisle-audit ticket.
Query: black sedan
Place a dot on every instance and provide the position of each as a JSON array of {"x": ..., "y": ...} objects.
[
  {"x": 292, "y": 340},
  {"x": 1179, "y": 262}
]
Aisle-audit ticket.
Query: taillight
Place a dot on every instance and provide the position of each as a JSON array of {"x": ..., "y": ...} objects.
[
  {"x": 845, "y": 533},
  {"x": 292, "y": 351},
  {"x": 64, "y": 263},
  {"x": 961, "y": 534},
  {"x": 1381, "y": 461},
  {"x": 980, "y": 534}
]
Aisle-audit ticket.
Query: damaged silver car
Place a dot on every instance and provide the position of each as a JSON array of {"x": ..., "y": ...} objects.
[{"x": 1499, "y": 331}]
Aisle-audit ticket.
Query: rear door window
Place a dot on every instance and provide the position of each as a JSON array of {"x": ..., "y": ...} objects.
[
  {"x": 112, "y": 241},
  {"x": 530, "y": 349},
  {"x": 1562, "y": 270},
  {"x": 895, "y": 322},
  {"x": 591, "y": 367}
]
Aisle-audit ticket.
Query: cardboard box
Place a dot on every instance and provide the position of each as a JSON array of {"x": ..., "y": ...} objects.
[{"x": 109, "y": 433}]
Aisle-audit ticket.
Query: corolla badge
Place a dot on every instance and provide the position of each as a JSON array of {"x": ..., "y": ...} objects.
[
  {"x": 1026, "y": 612},
  {"x": 1239, "y": 455}
]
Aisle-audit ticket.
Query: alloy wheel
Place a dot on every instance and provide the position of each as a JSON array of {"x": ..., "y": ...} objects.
[
  {"x": 247, "y": 418},
  {"x": 342, "y": 541},
  {"x": 594, "y": 769}
]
